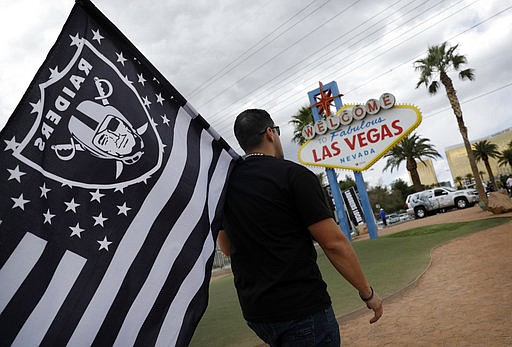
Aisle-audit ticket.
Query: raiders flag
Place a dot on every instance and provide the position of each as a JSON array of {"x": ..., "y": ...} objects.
[{"x": 111, "y": 190}]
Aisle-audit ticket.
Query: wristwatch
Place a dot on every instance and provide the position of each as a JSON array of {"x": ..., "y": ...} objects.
[{"x": 368, "y": 298}]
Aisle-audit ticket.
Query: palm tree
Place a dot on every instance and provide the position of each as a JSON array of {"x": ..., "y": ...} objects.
[
  {"x": 458, "y": 179},
  {"x": 439, "y": 60},
  {"x": 484, "y": 150},
  {"x": 410, "y": 149},
  {"x": 505, "y": 157},
  {"x": 469, "y": 179},
  {"x": 299, "y": 121}
]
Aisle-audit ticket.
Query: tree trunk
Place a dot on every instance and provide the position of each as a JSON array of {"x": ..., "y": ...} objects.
[
  {"x": 416, "y": 180},
  {"x": 412, "y": 168},
  {"x": 454, "y": 102},
  {"x": 491, "y": 175}
]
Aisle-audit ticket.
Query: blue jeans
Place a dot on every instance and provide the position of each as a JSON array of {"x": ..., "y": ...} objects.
[{"x": 319, "y": 329}]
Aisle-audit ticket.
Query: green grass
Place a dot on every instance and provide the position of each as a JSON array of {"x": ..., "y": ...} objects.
[{"x": 390, "y": 263}]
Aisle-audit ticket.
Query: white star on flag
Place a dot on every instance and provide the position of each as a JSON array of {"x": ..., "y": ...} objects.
[
  {"x": 165, "y": 120},
  {"x": 44, "y": 190},
  {"x": 123, "y": 209},
  {"x": 99, "y": 219},
  {"x": 19, "y": 202},
  {"x": 146, "y": 101},
  {"x": 71, "y": 206},
  {"x": 159, "y": 99},
  {"x": 11, "y": 144},
  {"x": 36, "y": 106},
  {"x": 141, "y": 79},
  {"x": 120, "y": 58},
  {"x": 97, "y": 36},
  {"x": 54, "y": 72},
  {"x": 76, "y": 231},
  {"x": 104, "y": 244},
  {"x": 15, "y": 174},
  {"x": 75, "y": 40},
  {"x": 126, "y": 79},
  {"x": 48, "y": 217},
  {"x": 96, "y": 195}
]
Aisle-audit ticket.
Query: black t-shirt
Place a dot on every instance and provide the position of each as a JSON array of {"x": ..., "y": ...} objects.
[{"x": 269, "y": 205}]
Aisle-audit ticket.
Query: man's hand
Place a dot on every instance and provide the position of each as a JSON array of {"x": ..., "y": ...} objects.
[{"x": 375, "y": 304}]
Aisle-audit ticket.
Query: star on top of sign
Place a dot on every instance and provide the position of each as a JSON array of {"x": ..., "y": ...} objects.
[
  {"x": 324, "y": 101},
  {"x": 97, "y": 36}
]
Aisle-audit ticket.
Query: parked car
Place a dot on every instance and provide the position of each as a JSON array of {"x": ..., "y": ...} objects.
[
  {"x": 404, "y": 216},
  {"x": 392, "y": 218},
  {"x": 438, "y": 199}
]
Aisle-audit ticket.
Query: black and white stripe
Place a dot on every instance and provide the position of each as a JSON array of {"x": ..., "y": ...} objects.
[{"x": 145, "y": 292}]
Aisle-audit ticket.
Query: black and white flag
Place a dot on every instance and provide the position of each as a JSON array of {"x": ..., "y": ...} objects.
[{"x": 111, "y": 190}]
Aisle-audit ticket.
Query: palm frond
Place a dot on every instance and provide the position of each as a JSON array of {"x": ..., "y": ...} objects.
[
  {"x": 412, "y": 147},
  {"x": 467, "y": 74},
  {"x": 433, "y": 87}
]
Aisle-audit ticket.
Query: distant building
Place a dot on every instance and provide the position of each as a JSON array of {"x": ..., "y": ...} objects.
[
  {"x": 459, "y": 163},
  {"x": 427, "y": 173}
]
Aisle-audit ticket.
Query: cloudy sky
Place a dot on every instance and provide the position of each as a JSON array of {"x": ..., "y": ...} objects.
[{"x": 225, "y": 56}]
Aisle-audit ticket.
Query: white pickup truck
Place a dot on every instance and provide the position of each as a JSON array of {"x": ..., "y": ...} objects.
[{"x": 438, "y": 199}]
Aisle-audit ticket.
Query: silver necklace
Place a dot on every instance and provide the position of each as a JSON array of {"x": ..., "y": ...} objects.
[{"x": 255, "y": 154}]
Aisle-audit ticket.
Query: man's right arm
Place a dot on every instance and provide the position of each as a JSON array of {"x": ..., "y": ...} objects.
[
  {"x": 223, "y": 242},
  {"x": 342, "y": 256}
]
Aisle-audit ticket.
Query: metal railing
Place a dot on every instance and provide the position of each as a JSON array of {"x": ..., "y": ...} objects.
[{"x": 220, "y": 261}]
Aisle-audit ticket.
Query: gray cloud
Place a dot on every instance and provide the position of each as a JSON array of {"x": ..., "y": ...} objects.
[{"x": 368, "y": 49}]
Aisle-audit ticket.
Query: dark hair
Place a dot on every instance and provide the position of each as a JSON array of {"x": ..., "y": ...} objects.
[{"x": 248, "y": 125}]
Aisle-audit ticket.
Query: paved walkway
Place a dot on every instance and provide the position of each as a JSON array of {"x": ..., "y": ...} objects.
[{"x": 463, "y": 299}]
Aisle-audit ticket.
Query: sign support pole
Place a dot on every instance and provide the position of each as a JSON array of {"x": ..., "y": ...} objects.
[
  {"x": 331, "y": 175},
  {"x": 365, "y": 204}
]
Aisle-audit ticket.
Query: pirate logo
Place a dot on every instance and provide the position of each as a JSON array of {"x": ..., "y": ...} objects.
[
  {"x": 102, "y": 131},
  {"x": 92, "y": 129}
]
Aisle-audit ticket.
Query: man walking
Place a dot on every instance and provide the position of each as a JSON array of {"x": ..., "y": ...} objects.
[
  {"x": 383, "y": 217},
  {"x": 274, "y": 211},
  {"x": 509, "y": 184}
]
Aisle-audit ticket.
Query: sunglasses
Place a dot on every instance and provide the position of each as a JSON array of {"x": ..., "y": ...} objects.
[{"x": 278, "y": 131}]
